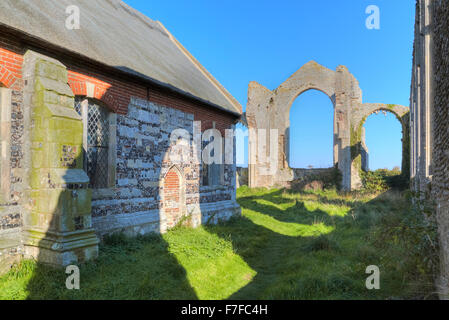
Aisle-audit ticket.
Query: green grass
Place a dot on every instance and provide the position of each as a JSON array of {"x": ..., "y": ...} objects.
[{"x": 286, "y": 245}]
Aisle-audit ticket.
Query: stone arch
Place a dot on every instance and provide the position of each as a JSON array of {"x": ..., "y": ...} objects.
[
  {"x": 173, "y": 198},
  {"x": 369, "y": 108},
  {"x": 402, "y": 115},
  {"x": 269, "y": 111},
  {"x": 322, "y": 81},
  {"x": 311, "y": 76}
]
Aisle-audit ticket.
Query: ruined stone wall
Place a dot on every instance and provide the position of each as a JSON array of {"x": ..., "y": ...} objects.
[
  {"x": 303, "y": 174},
  {"x": 429, "y": 122},
  {"x": 440, "y": 183},
  {"x": 269, "y": 111},
  {"x": 242, "y": 176},
  {"x": 421, "y": 102}
]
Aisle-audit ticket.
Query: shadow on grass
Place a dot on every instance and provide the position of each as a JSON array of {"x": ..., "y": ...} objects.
[
  {"x": 271, "y": 250},
  {"x": 323, "y": 265},
  {"x": 141, "y": 268},
  {"x": 294, "y": 210},
  {"x": 286, "y": 262},
  {"x": 127, "y": 268}
]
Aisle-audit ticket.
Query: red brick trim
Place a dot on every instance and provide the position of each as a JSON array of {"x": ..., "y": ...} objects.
[
  {"x": 172, "y": 181},
  {"x": 7, "y": 78},
  {"x": 10, "y": 67},
  {"x": 101, "y": 90}
]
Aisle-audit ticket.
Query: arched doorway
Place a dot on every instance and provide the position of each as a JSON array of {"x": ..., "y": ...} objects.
[
  {"x": 358, "y": 135},
  {"x": 173, "y": 197},
  {"x": 269, "y": 112}
]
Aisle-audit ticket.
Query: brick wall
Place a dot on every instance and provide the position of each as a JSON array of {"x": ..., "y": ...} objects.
[{"x": 171, "y": 198}]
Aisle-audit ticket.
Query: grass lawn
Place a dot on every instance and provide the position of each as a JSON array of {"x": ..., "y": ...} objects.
[{"x": 286, "y": 245}]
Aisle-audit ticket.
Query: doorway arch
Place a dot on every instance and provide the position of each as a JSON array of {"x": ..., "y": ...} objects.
[
  {"x": 402, "y": 115},
  {"x": 270, "y": 110},
  {"x": 173, "y": 197}
]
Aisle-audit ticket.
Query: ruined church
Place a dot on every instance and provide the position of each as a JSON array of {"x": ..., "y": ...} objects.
[{"x": 87, "y": 115}]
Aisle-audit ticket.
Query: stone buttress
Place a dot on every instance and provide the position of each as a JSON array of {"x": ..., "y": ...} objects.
[{"x": 57, "y": 223}]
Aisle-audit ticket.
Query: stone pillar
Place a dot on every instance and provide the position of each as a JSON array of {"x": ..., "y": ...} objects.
[
  {"x": 58, "y": 223},
  {"x": 365, "y": 152},
  {"x": 343, "y": 106}
]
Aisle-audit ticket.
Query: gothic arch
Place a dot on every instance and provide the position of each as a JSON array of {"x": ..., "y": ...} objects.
[
  {"x": 369, "y": 108},
  {"x": 173, "y": 197},
  {"x": 175, "y": 168},
  {"x": 311, "y": 76},
  {"x": 270, "y": 111},
  {"x": 402, "y": 115}
]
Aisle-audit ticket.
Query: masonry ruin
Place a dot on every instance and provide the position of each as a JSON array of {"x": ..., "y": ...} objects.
[
  {"x": 84, "y": 134},
  {"x": 429, "y": 123},
  {"x": 268, "y": 110}
]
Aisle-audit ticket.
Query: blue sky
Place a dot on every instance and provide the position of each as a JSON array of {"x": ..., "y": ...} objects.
[{"x": 267, "y": 41}]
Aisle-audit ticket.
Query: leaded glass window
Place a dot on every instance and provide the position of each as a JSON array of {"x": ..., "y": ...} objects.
[{"x": 96, "y": 141}]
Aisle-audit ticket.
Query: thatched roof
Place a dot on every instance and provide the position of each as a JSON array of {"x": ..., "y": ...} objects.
[{"x": 116, "y": 35}]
